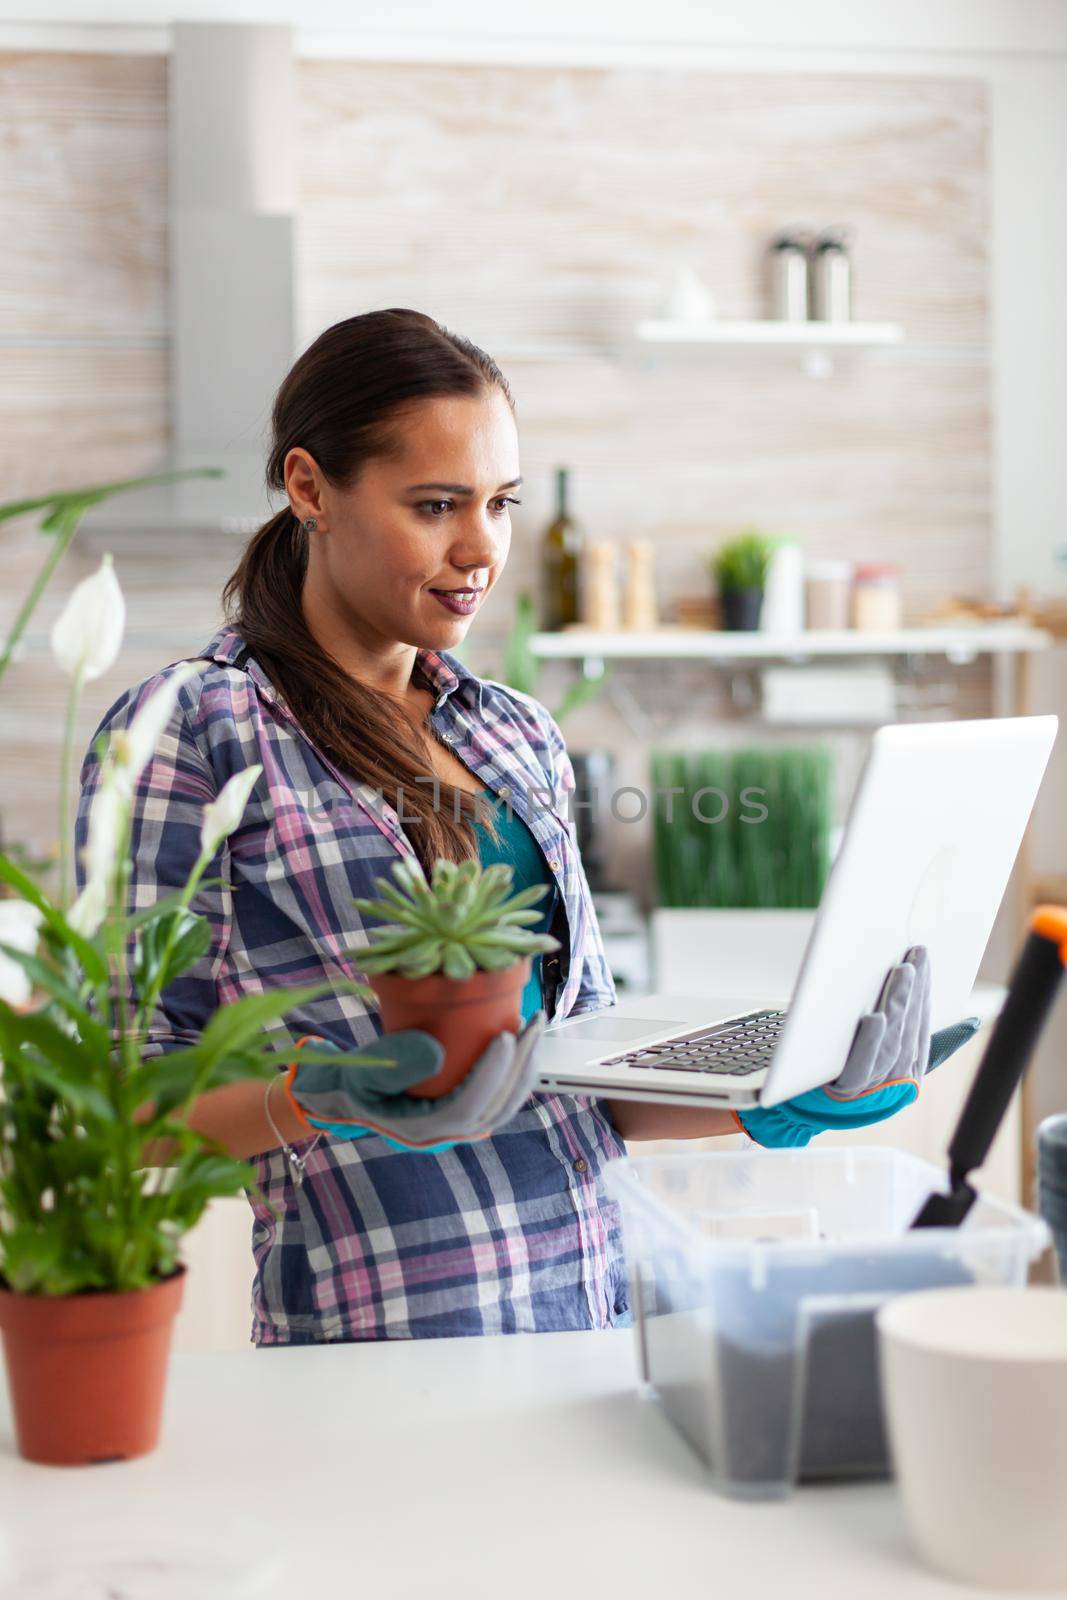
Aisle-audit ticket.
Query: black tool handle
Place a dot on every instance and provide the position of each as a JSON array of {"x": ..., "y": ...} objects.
[{"x": 1016, "y": 1031}]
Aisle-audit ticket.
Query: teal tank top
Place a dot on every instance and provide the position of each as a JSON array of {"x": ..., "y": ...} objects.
[{"x": 520, "y": 850}]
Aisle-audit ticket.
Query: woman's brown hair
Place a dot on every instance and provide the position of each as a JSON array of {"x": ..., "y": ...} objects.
[{"x": 341, "y": 402}]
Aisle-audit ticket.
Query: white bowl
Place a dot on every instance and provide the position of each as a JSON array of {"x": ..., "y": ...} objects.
[{"x": 974, "y": 1384}]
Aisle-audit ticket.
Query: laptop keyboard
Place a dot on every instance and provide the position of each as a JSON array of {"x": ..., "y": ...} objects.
[{"x": 732, "y": 1049}]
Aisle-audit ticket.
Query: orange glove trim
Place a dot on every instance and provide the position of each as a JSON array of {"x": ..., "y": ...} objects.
[
  {"x": 290, "y": 1074},
  {"x": 890, "y": 1083},
  {"x": 1051, "y": 923}
]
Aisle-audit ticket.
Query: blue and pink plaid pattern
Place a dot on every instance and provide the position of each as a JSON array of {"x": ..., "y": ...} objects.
[{"x": 512, "y": 1234}]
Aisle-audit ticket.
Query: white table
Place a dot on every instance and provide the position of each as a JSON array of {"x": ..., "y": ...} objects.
[{"x": 521, "y": 1466}]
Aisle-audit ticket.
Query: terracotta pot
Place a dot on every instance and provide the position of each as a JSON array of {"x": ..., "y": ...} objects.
[
  {"x": 86, "y": 1372},
  {"x": 463, "y": 1014}
]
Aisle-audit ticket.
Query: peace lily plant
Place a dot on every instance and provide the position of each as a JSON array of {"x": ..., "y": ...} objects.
[{"x": 89, "y": 1220}]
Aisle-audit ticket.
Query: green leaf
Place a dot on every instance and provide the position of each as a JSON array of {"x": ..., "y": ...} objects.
[
  {"x": 168, "y": 946},
  {"x": 168, "y": 902},
  {"x": 178, "y": 1073},
  {"x": 521, "y": 667},
  {"x": 410, "y": 878},
  {"x": 45, "y": 977},
  {"x": 34, "y": 1027},
  {"x": 237, "y": 1024},
  {"x": 65, "y": 500},
  {"x": 341, "y": 1058},
  {"x": 216, "y": 1174},
  {"x": 526, "y": 897},
  {"x": 580, "y": 693},
  {"x": 426, "y": 948},
  {"x": 490, "y": 957},
  {"x": 82, "y": 1096},
  {"x": 520, "y": 918},
  {"x": 744, "y": 562},
  {"x": 457, "y": 962},
  {"x": 389, "y": 950},
  {"x": 93, "y": 963},
  {"x": 425, "y": 963}
]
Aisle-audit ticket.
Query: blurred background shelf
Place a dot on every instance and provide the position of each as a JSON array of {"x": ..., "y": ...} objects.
[
  {"x": 958, "y": 644},
  {"x": 854, "y": 335}
]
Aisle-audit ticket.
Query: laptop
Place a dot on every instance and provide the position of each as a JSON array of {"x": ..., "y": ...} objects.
[{"x": 932, "y": 833}]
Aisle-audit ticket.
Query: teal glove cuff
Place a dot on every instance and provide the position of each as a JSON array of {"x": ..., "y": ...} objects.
[
  {"x": 773, "y": 1127},
  {"x": 345, "y": 1130},
  {"x": 796, "y": 1121}
]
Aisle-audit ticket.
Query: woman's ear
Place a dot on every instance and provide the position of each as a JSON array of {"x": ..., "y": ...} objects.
[{"x": 304, "y": 485}]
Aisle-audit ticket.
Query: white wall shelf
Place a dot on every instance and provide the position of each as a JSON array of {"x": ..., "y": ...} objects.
[
  {"x": 855, "y": 335},
  {"x": 960, "y": 644}
]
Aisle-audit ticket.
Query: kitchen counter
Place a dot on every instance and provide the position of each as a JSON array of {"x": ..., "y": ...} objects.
[{"x": 520, "y": 1466}]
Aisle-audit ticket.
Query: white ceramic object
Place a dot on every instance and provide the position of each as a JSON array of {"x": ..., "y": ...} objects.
[
  {"x": 783, "y": 600},
  {"x": 689, "y": 300},
  {"x": 974, "y": 1384}
]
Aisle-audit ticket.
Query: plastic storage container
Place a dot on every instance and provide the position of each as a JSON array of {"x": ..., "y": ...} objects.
[{"x": 754, "y": 1278}]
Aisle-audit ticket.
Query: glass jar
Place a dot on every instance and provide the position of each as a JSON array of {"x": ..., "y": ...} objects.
[
  {"x": 876, "y": 601},
  {"x": 827, "y": 591}
]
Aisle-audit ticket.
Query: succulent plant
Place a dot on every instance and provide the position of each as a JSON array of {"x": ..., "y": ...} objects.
[{"x": 463, "y": 918}]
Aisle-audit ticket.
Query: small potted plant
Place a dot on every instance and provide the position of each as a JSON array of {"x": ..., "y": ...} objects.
[
  {"x": 740, "y": 570},
  {"x": 452, "y": 957}
]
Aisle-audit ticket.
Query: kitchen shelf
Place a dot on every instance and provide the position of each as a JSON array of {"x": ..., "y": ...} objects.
[
  {"x": 959, "y": 644},
  {"x": 855, "y": 335},
  {"x": 815, "y": 342}
]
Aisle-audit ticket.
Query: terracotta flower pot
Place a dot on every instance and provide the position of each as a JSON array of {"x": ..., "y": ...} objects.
[
  {"x": 86, "y": 1372},
  {"x": 462, "y": 1014}
]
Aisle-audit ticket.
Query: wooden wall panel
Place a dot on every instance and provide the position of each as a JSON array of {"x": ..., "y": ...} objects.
[
  {"x": 525, "y": 205},
  {"x": 555, "y": 200},
  {"x": 83, "y": 175}
]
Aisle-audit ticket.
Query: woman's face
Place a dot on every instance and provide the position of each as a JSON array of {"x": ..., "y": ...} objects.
[{"x": 410, "y": 552}]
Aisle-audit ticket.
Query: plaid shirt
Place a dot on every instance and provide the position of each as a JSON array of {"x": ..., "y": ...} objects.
[{"x": 511, "y": 1234}]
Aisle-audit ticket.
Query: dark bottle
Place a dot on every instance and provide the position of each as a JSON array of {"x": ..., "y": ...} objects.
[{"x": 561, "y": 560}]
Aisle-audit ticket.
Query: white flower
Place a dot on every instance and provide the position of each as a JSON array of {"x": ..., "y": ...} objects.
[
  {"x": 19, "y": 922},
  {"x": 106, "y": 816},
  {"x": 132, "y": 748},
  {"x": 226, "y": 810},
  {"x": 87, "y": 634}
]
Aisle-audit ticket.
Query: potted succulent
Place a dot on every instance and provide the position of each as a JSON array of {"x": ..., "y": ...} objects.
[
  {"x": 452, "y": 957},
  {"x": 740, "y": 571},
  {"x": 90, "y": 1221}
]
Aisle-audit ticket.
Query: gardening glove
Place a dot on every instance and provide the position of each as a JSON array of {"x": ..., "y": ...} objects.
[
  {"x": 349, "y": 1100},
  {"x": 892, "y": 1051}
]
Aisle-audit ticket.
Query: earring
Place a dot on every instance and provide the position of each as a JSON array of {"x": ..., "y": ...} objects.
[{"x": 310, "y": 524}]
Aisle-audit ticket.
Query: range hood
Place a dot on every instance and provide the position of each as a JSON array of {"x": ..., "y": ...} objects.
[{"x": 232, "y": 200}]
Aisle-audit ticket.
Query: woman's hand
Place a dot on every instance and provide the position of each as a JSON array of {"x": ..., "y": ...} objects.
[
  {"x": 349, "y": 1097},
  {"x": 892, "y": 1051}
]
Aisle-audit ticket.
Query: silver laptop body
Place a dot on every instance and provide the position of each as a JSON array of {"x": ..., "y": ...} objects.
[{"x": 933, "y": 830}]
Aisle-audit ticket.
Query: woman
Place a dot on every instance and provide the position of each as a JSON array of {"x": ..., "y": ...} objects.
[{"x": 395, "y": 443}]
